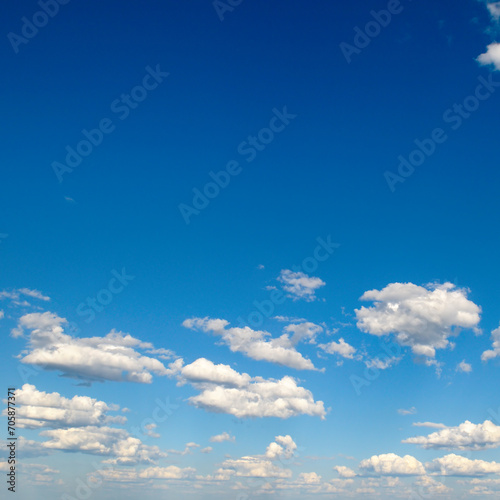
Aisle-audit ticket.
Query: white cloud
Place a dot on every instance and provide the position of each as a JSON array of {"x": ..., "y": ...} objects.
[
  {"x": 2, "y": 314},
  {"x": 466, "y": 436},
  {"x": 224, "y": 390},
  {"x": 429, "y": 424},
  {"x": 344, "y": 472},
  {"x": 381, "y": 364},
  {"x": 464, "y": 367},
  {"x": 187, "y": 449},
  {"x": 208, "y": 449},
  {"x": 258, "y": 345},
  {"x": 419, "y": 317},
  {"x": 282, "y": 447},
  {"x": 390, "y": 464},
  {"x": 15, "y": 294},
  {"x": 111, "y": 357},
  {"x": 429, "y": 486},
  {"x": 261, "y": 466},
  {"x": 36, "y": 409},
  {"x": 105, "y": 441},
  {"x": 495, "y": 352},
  {"x": 299, "y": 285},
  {"x": 491, "y": 56},
  {"x": 456, "y": 465},
  {"x": 341, "y": 347},
  {"x": 409, "y": 411},
  {"x": 219, "y": 438},
  {"x": 308, "y": 478},
  {"x": 494, "y": 8},
  {"x": 170, "y": 472}
]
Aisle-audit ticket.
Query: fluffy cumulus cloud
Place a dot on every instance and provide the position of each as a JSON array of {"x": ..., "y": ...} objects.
[
  {"x": 258, "y": 344},
  {"x": 282, "y": 447},
  {"x": 419, "y": 317},
  {"x": 456, "y": 465},
  {"x": 224, "y": 390},
  {"x": 491, "y": 56},
  {"x": 344, "y": 472},
  {"x": 495, "y": 351},
  {"x": 105, "y": 441},
  {"x": 261, "y": 466},
  {"x": 464, "y": 367},
  {"x": 36, "y": 409},
  {"x": 299, "y": 285},
  {"x": 390, "y": 464},
  {"x": 219, "y": 438},
  {"x": 466, "y": 436},
  {"x": 342, "y": 348},
  {"x": 112, "y": 357}
]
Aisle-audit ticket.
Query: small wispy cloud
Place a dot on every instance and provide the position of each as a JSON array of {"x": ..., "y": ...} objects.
[
  {"x": 299, "y": 285},
  {"x": 409, "y": 411},
  {"x": 464, "y": 367}
]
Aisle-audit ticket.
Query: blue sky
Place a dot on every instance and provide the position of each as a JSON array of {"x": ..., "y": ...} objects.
[{"x": 249, "y": 250}]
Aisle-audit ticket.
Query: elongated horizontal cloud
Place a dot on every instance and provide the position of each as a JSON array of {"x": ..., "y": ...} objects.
[
  {"x": 104, "y": 441},
  {"x": 36, "y": 409},
  {"x": 456, "y": 465},
  {"x": 112, "y": 357},
  {"x": 224, "y": 390},
  {"x": 170, "y": 472},
  {"x": 429, "y": 424},
  {"x": 419, "y": 317},
  {"x": 390, "y": 464},
  {"x": 466, "y": 436},
  {"x": 16, "y": 294},
  {"x": 495, "y": 352},
  {"x": 299, "y": 285},
  {"x": 258, "y": 344}
]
